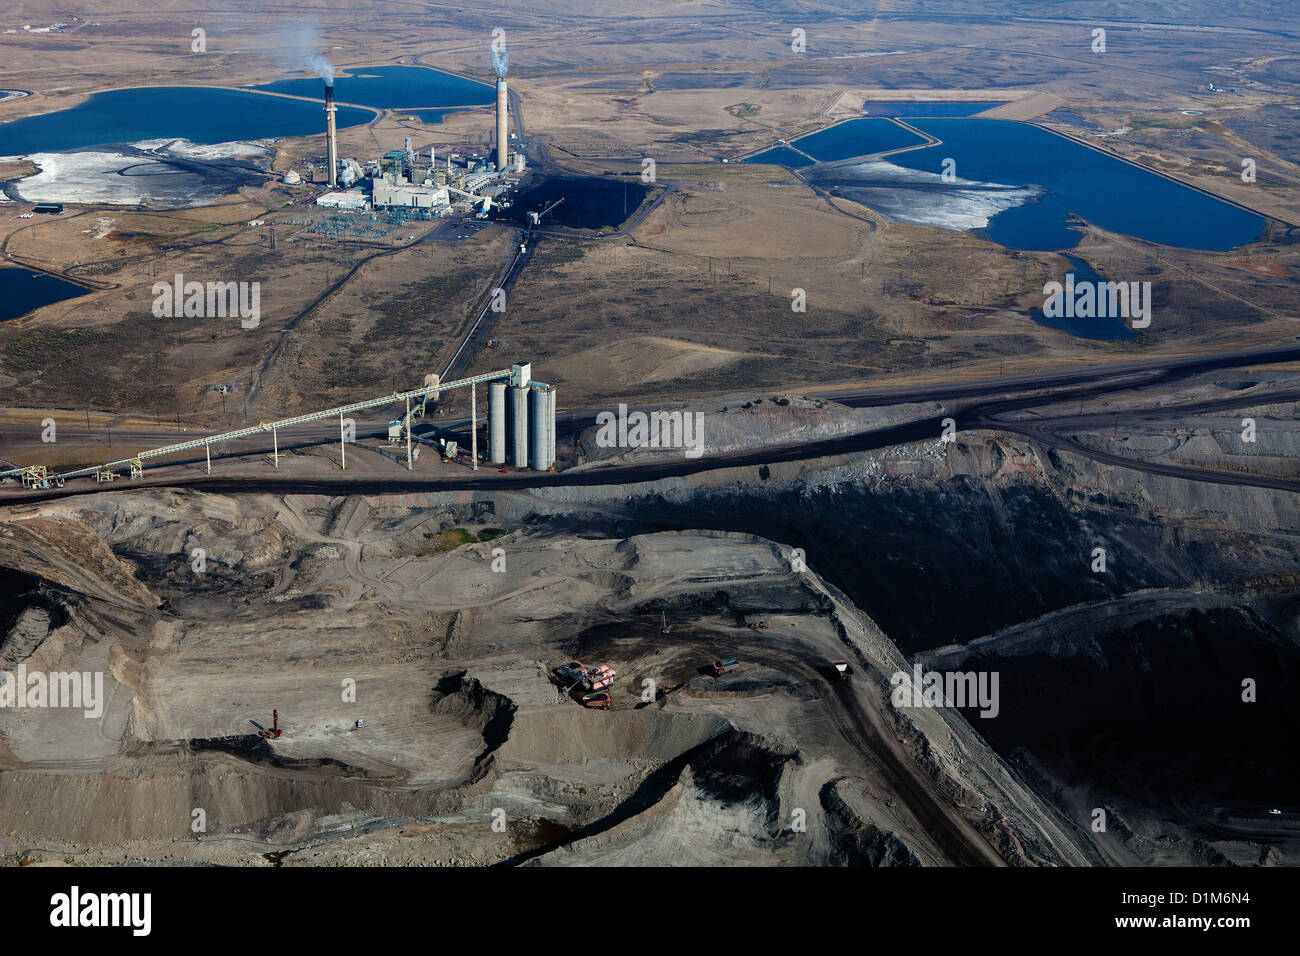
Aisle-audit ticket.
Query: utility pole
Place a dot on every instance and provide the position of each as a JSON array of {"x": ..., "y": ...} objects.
[
  {"x": 473, "y": 426},
  {"x": 343, "y": 445}
]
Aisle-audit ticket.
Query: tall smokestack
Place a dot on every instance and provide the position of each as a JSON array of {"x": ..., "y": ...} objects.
[
  {"x": 331, "y": 134},
  {"x": 503, "y": 139}
]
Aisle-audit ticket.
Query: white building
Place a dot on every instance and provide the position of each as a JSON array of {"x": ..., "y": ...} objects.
[
  {"x": 352, "y": 199},
  {"x": 391, "y": 190}
]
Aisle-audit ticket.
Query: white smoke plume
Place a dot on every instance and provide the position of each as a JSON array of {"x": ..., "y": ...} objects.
[
  {"x": 322, "y": 67},
  {"x": 303, "y": 45}
]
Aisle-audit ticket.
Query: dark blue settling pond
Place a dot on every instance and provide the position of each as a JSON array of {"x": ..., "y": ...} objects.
[
  {"x": 781, "y": 156},
  {"x": 394, "y": 87},
  {"x": 200, "y": 114},
  {"x": 1081, "y": 181},
  {"x": 1106, "y": 328},
  {"x": 22, "y": 291},
  {"x": 856, "y": 138}
]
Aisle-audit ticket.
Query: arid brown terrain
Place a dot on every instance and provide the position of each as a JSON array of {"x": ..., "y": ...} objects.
[{"x": 909, "y": 473}]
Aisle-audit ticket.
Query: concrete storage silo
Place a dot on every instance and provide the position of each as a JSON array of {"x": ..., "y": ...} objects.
[
  {"x": 519, "y": 425},
  {"x": 542, "y": 427},
  {"x": 550, "y": 426},
  {"x": 537, "y": 429},
  {"x": 497, "y": 423}
]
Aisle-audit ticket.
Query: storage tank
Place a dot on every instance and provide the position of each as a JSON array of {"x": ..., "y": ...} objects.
[
  {"x": 550, "y": 426},
  {"x": 519, "y": 426},
  {"x": 538, "y": 429},
  {"x": 497, "y": 423},
  {"x": 542, "y": 427}
]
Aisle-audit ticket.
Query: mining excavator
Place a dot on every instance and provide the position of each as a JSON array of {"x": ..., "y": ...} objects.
[{"x": 275, "y": 733}]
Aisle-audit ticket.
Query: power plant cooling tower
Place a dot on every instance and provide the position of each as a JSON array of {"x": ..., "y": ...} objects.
[
  {"x": 497, "y": 423},
  {"x": 331, "y": 135},
  {"x": 503, "y": 139}
]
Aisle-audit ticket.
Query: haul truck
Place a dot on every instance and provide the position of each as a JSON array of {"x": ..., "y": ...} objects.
[{"x": 592, "y": 678}]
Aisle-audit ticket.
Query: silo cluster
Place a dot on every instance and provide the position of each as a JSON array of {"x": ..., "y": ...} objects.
[{"x": 521, "y": 421}]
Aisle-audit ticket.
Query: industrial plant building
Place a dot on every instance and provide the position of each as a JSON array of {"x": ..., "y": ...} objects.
[
  {"x": 396, "y": 189},
  {"x": 403, "y": 179},
  {"x": 351, "y": 200}
]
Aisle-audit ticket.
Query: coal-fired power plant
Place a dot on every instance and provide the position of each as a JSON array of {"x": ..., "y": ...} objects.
[
  {"x": 402, "y": 185},
  {"x": 503, "y": 137},
  {"x": 331, "y": 135}
]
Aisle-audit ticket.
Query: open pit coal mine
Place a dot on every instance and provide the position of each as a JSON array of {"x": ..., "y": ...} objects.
[{"x": 409, "y": 647}]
